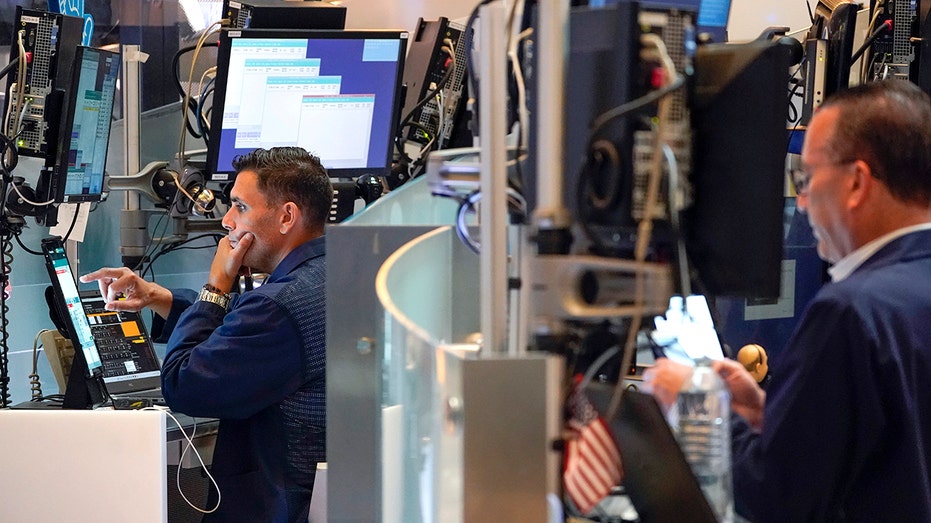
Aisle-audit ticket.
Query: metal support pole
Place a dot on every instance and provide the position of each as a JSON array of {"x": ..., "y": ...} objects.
[
  {"x": 133, "y": 223},
  {"x": 493, "y": 178},
  {"x": 553, "y": 50}
]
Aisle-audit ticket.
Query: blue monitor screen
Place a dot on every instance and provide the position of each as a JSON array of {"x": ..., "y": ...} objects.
[
  {"x": 712, "y": 18},
  {"x": 714, "y": 13},
  {"x": 334, "y": 93}
]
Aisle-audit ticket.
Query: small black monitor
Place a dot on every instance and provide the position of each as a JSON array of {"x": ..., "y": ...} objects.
[
  {"x": 77, "y": 170},
  {"x": 335, "y": 93},
  {"x": 840, "y": 31},
  {"x": 85, "y": 387}
]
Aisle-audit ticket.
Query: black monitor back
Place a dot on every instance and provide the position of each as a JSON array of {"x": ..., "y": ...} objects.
[{"x": 734, "y": 229}]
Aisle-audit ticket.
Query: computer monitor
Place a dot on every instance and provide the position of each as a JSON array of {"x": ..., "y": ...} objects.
[
  {"x": 734, "y": 228},
  {"x": 840, "y": 29},
  {"x": 86, "y": 387},
  {"x": 335, "y": 93},
  {"x": 77, "y": 167},
  {"x": 712, "y": 19}
]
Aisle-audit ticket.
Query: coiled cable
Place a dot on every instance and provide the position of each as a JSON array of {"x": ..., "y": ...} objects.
[
  {"x": 35, "y": 384},
  {"x": 6, "y": 260}
]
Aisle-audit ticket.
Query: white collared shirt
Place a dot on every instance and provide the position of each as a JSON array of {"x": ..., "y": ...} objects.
[{"x": 849, "y": 263}]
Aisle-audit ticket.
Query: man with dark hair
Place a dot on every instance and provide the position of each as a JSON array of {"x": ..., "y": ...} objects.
[
  {"x": 843, "y": 430},
  {"x": 256, "y": 361}
]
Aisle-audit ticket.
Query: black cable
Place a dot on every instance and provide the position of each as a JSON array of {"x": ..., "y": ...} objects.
[
  {"x": 794, "y": 115},
  {"x": 175, "y": 63},
  {"x": 35, "y": 381},
  {"x": 6, "y": 259},
  {"x": 150, "y": 268},
  {"x": 74, "y": 220},
  {"x": 598, "y": 124},
  {"x": 517, "y": 183},
  {"x": 624, "y": 109},
  {"x": 179, "y": 245},
  {"x": 430, "y": 95},
  {"x": 7, "y": 147},
  {"x": 150, "y": 248},
  {"x": 27, "y": 249},
  {"x": 470, "y": 72},
  {"x": 52, "y": 398},
  {"x": 886, "y": 26},
  {"x": 402, "y": 155},
  {"x": 9, "y": 67},
  {"x": 192, "y": 104},
  {"x": 203, "y": 125}
]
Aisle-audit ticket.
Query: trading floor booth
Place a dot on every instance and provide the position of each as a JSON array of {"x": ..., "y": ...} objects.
[{"x": 425, "y": 400}]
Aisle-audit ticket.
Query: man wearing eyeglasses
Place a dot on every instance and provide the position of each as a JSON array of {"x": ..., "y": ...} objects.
[{"x": 843, "y": 431}]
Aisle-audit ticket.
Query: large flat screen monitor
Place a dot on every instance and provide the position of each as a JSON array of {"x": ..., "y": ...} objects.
[
  {"x": 334, "y": 93},
  {"x": 81, "y": 155}
]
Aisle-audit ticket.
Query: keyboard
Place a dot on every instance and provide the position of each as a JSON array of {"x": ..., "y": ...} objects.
[
  {"x": 114, "y": 347},
  {"x": 132, "y": 403}
]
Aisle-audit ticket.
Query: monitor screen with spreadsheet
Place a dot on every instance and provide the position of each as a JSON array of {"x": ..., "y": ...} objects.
[
  {"x": 83, "y": 138},
  {"x": 334, "y": 93}
]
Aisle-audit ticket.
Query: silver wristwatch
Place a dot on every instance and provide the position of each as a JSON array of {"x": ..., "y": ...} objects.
[{"x": 213, "y": 295}]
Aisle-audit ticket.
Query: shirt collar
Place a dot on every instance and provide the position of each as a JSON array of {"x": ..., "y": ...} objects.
[
  {"x": 303, "y": 252},
  {"x": 845, "y": 267}
]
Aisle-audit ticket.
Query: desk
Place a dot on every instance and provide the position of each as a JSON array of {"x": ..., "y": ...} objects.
[{"x": 76, "y": 465}]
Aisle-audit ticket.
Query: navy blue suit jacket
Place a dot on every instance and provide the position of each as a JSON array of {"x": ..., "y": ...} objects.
[
  {"x": 260, "y": 369},
  {"x": 847, "y": 425}
]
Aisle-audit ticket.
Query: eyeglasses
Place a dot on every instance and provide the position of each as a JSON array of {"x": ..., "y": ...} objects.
[{"x": 801, "y": 178}]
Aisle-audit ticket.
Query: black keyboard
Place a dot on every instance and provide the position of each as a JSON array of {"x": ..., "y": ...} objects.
[{"x": 132, "y": 403}]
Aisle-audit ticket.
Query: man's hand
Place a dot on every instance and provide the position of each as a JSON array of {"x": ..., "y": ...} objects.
[
  {"x": 125, "y": 290},
  {"x": 747, "y": 398},
  {"x": 228, "y": 262},
  {"x": 664, "y": 380}
]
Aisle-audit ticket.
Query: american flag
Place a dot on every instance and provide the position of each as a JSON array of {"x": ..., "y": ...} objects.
[{"x": 592, "y": 462}]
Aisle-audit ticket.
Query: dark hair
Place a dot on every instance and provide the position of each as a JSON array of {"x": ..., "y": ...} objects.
[
  {"x": 887, "y": 124},
  {"x": 291, "y": 174}
]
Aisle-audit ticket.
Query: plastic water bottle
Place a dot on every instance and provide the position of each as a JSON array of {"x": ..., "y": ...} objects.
[{"x": 701, "y": 419}]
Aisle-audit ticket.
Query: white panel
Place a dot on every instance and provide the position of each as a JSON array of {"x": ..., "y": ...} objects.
[
  {"x": 101, "y": 466},
  {"x": 750, "y": 17},
  {"x": 401, "y": 14}
]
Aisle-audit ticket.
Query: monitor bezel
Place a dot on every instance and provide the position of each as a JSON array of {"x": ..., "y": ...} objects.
[{"x": 219, "y": 173}]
